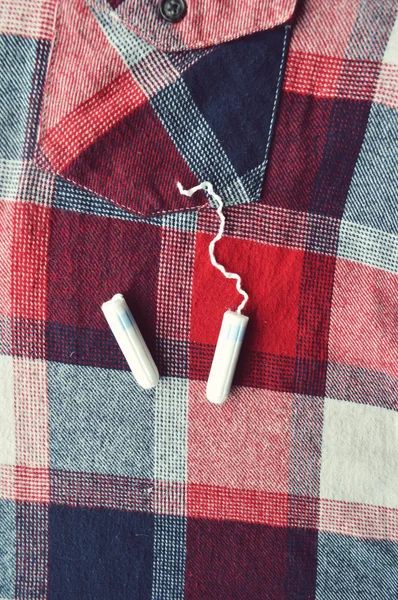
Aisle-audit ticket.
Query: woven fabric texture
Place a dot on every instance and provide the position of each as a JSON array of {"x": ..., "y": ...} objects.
[{"x": 288, "y": 491}]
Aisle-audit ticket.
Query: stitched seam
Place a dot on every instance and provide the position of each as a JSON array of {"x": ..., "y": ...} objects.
[
  {"x": 47, "y": 88},
  {"x": 47, "y": 167},
  {"x": 130, "y": 210},
  {"x": 277, "y": 92},
  {"x": 157, "y": 40},
  {"x": 264, "y": 164}
]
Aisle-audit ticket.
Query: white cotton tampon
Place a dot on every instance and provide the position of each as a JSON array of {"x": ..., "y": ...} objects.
[
  {"x": 226, "y": 356},
  {"x": 130, "y": 341}
]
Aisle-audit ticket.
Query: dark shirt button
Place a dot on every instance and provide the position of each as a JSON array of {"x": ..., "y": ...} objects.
[{"x": 173, "y": 10}]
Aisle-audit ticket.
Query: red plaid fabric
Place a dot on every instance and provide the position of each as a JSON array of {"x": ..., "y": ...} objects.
[{"x": 288, "y": 491}]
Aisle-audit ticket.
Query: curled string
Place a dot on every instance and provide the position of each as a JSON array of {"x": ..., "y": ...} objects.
[{"x": 208, "y": 187}]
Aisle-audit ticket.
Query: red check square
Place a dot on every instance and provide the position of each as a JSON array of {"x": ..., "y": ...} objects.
[
  {"x": 363, "y": 329},
  {"x": 270, "y": 274}
]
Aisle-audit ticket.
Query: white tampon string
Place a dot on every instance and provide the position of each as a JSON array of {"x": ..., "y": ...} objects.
[
  {"x": 130, "y": 341},
  {"x": 208, "y": 187}
]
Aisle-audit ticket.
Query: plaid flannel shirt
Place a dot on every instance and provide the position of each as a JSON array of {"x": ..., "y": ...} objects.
[{"x": 290, "y": 489}]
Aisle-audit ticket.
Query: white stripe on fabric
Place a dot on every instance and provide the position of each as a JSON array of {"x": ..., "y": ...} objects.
[
  {"x": 10, "y": 173},
  {"x": 130, "y": 46},
  {"x": 171, "y": 409},
  {"x": 22, "y": 181},
  {"x": 391, "y": 51},
  {"x": 170, "y": 465},
  {"x": 368, "y": 246},
  {"x": 7, "y": 417}
]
